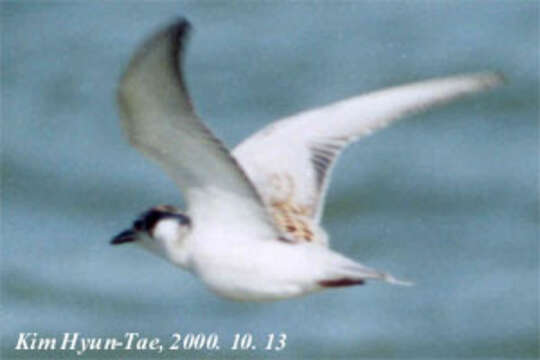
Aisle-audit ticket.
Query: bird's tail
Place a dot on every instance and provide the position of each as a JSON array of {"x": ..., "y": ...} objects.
[
  {"x": 392, "y": 280},
  {"x": 353, "y": 273}
]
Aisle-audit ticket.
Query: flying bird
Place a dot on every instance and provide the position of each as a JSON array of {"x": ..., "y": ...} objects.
[{"x": 252, "y": 227}]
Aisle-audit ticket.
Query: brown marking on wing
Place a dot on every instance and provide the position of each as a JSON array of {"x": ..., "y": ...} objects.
[{"x": 291, "y": 218}]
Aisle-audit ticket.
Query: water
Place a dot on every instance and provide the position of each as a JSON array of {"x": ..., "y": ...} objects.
[{"x": 448, "y": 199}]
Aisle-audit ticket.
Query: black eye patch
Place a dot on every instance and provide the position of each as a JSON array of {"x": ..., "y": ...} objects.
[
  {"x": 148, "y": 220},
  {"x": 182, "y": 219}
]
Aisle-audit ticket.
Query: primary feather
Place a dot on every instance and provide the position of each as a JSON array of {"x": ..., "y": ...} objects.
[
  {"x": 160, "y": 121},
  {"x": 290, "y": 161}
]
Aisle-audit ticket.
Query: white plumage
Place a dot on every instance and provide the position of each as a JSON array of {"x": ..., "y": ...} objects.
[{"x": 252, "y": 227}]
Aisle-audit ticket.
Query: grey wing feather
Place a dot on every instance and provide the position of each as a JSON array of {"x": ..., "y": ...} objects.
[{"x": 158, "y": 117}]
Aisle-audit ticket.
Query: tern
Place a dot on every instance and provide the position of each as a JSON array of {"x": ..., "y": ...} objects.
[{"x": 252, "y": 227}]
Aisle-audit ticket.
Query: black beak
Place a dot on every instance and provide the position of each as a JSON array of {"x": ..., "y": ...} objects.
[{"x": 124, "y": 237}]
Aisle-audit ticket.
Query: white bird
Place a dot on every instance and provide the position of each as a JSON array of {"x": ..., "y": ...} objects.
[{"x": 252, "y": 229}]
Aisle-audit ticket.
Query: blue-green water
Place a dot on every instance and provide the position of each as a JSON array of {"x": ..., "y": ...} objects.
[{"x": 448, "y": 199}]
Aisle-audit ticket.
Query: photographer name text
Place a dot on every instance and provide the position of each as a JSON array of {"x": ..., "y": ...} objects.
[{"x": 135, "y": 341}]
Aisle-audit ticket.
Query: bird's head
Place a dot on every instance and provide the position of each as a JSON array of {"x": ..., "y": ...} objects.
[{"x": 161, "y": 230}]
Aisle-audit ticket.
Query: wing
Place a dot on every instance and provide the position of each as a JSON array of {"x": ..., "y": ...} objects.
[
  {"x": 159, "y": 119},
  {"x": 290, "y": 161}
]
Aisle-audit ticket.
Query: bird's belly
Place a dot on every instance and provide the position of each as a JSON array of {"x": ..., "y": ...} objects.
[
  {"x": 239, "y": 283},
  {"x": 253, "y": 275}
]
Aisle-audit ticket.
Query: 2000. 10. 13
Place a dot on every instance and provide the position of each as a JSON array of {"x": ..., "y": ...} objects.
[{"x": 240, "y": 342}]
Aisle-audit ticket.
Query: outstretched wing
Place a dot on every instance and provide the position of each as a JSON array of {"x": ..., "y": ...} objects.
[
  {"x": 290, "y": 161},
  {"x": 159, "y": 119}
]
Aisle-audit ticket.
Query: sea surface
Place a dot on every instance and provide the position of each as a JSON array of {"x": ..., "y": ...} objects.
[{"x": 447, "y": 199}]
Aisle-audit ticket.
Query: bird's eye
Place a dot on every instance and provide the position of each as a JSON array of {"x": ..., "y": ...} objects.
[{"x": 148, "y": 220}]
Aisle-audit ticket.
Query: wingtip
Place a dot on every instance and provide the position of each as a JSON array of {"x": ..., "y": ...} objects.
[
  {"x": 178, "y": 33},
  {"x": 492, "y": 79},
  {"x": 500, "y": 78},
  {"x": 181, "y": 27},
  {"x": 175, "y": 36},
  {"x": 392, "y": 280}
]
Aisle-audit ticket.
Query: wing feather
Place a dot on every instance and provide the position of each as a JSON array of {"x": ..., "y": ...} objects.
[
  {"x": 304, "y": 147},
  {"x": 158, "y": 117}
]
